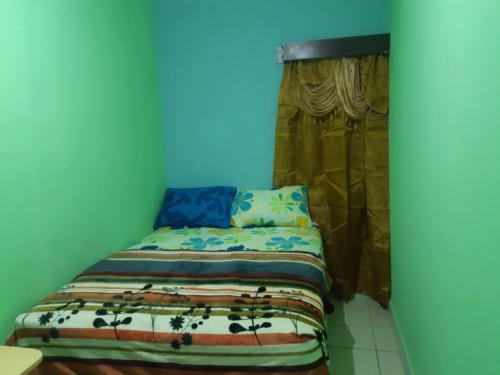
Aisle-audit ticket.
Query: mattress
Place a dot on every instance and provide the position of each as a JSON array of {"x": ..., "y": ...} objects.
[{"x": 191, "y": 301}]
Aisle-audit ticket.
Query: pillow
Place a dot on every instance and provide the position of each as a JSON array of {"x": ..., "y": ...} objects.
[
  {"x": 286, "y": 207},
  {"x": 196, "y": 207}
]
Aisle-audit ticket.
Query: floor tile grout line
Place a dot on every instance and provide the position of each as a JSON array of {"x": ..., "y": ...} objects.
[
  {"x": 362, "y": 306},
  {"x": 350, "y": 347},
  {"x": 376, "y": 314},
  {"x": 374, "y": 340}
]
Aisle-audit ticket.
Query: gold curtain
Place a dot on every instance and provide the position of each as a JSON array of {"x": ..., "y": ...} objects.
[{"x": 331, "y": 135}]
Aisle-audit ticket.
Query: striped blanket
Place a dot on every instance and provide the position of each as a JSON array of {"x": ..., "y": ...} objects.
[{"x": 256, "y": 306}]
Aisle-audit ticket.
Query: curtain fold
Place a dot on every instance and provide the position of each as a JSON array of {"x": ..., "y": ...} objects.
[{"x": 332, "y": 135}]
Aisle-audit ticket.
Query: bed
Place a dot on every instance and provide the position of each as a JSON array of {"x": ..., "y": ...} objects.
[{"x": 191, "y": 301}]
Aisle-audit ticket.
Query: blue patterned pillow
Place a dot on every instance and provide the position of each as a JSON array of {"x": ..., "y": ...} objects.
[{"x": 196, "y": 207}]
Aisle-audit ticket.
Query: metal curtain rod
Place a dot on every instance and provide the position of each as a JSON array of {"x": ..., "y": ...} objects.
[{"x": 337, "y": 47}]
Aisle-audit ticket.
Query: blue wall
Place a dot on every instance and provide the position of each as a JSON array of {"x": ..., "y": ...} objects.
[{"x": 220, "y": 81}]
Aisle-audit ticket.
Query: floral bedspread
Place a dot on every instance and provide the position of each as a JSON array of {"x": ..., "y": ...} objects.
[
  {"x": 259, "y": 238},
  {"x": 188, "y": 301}
]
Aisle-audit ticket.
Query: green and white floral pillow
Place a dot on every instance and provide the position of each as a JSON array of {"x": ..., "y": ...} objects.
[{"x": 286, "y": 207}]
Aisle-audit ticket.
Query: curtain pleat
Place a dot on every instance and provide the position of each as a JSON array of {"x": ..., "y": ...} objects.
[{"x": 331, "y": 135}]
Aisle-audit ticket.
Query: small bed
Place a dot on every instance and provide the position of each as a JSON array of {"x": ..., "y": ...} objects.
[{"x": 191, "y": 301}]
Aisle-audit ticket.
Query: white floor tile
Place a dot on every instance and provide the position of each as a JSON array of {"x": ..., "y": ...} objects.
[
  {"x": 385, "y": 338},
  {"x": 372, "y": 304},
  {"x": 390, "y": 363},
  {"x": 353, "y": 312},
  {"x": 362, "y": 297},
  {"x": 353, "y": 362},
  {"x": 380, "y": 317},
  {"x": 359, "y": 336}
]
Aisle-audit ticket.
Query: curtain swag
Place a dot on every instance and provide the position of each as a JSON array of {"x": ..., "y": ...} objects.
[{"x": 340, "y": 87}]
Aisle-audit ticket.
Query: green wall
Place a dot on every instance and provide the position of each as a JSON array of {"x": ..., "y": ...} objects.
[
  {"x": 81, "y": 155},
  {"x": 445, "y": 173},
  {"x": 220, "y": 81}
]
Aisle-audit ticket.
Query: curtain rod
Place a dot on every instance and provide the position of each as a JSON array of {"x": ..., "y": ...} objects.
[{"x": 331, "y": 48}]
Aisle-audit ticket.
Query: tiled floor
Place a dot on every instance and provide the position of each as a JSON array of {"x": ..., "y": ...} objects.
[{"x": 361, "y": 340}]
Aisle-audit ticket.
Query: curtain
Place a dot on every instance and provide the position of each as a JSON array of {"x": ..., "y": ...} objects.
[{"x": 331, "y": 135}]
